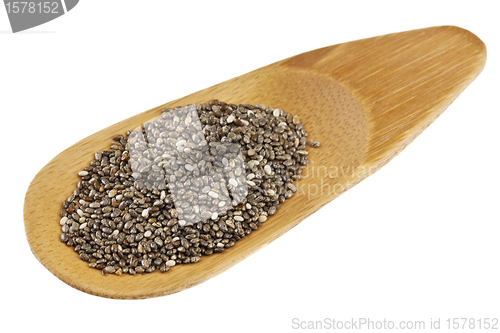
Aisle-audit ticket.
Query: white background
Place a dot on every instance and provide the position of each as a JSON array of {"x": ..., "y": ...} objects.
[{"x": 417, "y": 240}]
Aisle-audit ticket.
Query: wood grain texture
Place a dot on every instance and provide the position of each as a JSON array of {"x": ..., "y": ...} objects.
[{"x": 365, "y": 101}]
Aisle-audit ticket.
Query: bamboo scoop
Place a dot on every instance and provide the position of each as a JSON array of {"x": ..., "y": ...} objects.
[{"x": 365, "y": 101}]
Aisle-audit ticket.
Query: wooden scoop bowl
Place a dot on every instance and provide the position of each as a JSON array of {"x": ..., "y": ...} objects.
[{"x": 365, "y": 101}]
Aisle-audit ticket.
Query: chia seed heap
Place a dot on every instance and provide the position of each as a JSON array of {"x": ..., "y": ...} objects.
[{"x": 193, "y": 188}]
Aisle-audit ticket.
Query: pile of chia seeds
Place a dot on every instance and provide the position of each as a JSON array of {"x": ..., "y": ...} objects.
[{"x": 189, "y": 183}]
